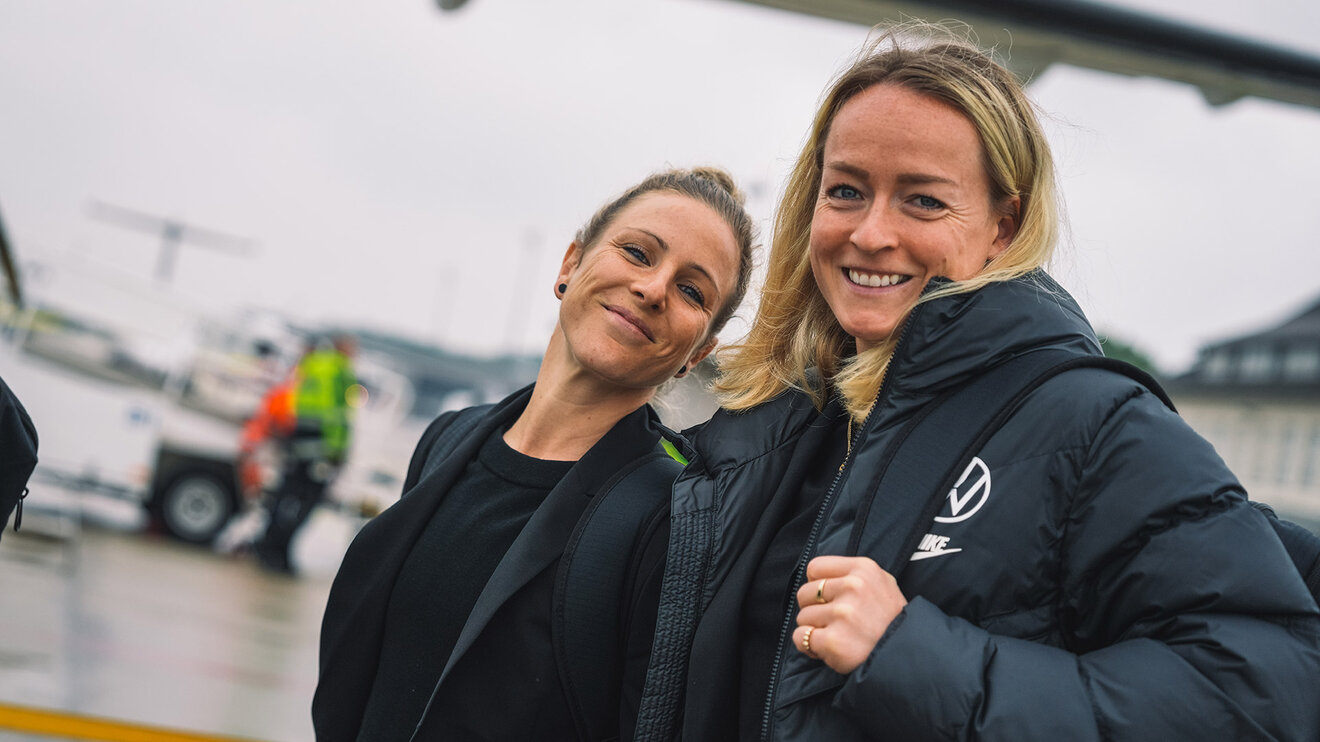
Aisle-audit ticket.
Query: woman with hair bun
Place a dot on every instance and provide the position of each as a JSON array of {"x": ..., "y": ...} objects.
[
  {"x": 1102, "y": 576},
  {"x": 446, "y": 620}
]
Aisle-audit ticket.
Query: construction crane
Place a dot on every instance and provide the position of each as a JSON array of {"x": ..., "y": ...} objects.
[{"x": 174, "y": 233}]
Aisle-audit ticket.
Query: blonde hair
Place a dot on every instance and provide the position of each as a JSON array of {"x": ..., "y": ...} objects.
[{"x": 795, "y": 329}]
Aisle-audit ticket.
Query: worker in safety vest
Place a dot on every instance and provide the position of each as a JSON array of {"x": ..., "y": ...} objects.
[
  {"x": 324, "y": 391},
  {"x": 271, "y": 424}
]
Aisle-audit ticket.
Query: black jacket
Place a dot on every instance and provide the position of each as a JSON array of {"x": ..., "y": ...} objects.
[
  {"x": 481, "y": 679},
  {"x": 1113, "y": 582},
  {"x": 18, "y": 451}
]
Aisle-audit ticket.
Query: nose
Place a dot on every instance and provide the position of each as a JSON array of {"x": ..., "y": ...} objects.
[
  {"x": 875, "y": 229},
  {"x": 651, "y": 287}
]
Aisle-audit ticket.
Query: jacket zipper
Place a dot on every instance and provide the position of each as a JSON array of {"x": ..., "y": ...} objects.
[{"x": 800, "y": 570}]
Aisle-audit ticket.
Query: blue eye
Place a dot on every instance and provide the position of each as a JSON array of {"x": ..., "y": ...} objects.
[
  {"x": 927, "y": 202},
  {"x": 694, "y": 294},
  {"x": 845, "y": 192},
  {"x": 638, "y": 253}
]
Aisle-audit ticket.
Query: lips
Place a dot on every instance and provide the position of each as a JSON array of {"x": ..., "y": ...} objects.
[{"x": 633, "y": 320}]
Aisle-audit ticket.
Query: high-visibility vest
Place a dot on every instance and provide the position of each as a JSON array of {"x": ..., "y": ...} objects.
[{"x": 324, "y": 381}]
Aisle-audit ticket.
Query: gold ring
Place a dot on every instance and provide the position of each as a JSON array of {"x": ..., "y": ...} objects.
[
  {"x": 806, "y": 641},
  {"x": 820, "y": 591}
]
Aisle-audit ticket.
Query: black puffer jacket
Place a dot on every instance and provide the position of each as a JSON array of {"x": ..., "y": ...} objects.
[{"x": 1113, "y": 583}]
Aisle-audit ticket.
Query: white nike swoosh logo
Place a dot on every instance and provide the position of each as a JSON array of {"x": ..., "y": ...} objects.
[{"x": 929, "y": 554}]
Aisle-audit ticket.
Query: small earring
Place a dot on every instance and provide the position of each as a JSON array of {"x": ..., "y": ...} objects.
[{"x": 563, "y": 287}]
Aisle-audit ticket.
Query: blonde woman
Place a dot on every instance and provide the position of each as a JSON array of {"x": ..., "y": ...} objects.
[{"x": 1114, "y": 584}]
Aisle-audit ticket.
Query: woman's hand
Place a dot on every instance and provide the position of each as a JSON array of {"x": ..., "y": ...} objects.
[{"x": 846, "y": 605}]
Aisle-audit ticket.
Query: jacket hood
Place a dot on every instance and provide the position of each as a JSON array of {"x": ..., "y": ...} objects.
[{"x": 944, "y": 342}]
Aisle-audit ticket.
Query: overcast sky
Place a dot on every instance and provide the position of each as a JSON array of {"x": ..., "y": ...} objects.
[{"x": 423, "y": 172}]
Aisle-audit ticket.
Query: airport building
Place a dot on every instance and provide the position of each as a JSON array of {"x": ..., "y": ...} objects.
[{"x": 1257, "y": 399}]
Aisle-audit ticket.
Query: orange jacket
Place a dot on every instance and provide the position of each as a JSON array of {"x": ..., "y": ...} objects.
[{"x": 274, "y": 417}]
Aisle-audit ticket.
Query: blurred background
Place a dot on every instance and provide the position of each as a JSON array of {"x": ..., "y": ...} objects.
[{"x": 191, "y": 194}]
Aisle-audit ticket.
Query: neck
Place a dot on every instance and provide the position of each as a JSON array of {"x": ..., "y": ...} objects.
[{"x": 570, "y": 409}]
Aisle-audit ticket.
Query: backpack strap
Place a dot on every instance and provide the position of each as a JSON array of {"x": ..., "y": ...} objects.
[
  {"x": 593, "y": 577},
  {"x": 440, "y": 439},
  {"x": 928, "y": 453}
]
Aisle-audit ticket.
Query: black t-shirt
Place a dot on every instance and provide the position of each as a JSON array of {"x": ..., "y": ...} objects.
[
  {"x": 773, "y": 587},
  {"x": 444, "y": 574}
]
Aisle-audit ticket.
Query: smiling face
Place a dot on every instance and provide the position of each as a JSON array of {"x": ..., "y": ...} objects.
[
  {"x": 903, "y": 198},
  {"x": 641, "y": 299}
]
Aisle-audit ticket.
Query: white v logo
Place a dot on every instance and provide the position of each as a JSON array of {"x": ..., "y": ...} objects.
[{"x": 960, "y": 496}]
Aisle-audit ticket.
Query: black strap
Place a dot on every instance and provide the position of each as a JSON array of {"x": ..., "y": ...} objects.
[
  {"x": 592, "y": 579},
  {"x": 444, "y": 439},
  {"x": 1310, "y": 574},
  {"x": 930, "y": 453},
  {"x": 932, "y": 450}
]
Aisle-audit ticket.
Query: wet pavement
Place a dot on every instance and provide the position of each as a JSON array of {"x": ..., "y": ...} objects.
[{"x": 105, "y": 620}]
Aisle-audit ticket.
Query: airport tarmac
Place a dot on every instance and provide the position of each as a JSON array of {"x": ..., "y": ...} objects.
[{"x": 105, "y": 621}]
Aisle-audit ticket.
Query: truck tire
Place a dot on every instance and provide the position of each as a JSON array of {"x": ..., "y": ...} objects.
[{"x": 195, "y": 505}]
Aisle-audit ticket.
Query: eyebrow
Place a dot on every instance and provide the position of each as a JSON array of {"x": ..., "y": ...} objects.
[
  {"x": 694, "y": 266},
  {"x": 922, "y": 178},
  {"x": 904, "y": 178}
]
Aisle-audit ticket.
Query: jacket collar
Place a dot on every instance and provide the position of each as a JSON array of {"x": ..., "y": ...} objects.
[{"x": 950, "y": 339}]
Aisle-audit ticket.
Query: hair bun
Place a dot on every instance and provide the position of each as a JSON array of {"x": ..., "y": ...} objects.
[{"x": 722, "y": 178}]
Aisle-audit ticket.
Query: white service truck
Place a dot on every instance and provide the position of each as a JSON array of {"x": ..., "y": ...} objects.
[{"x": 169, "y": 438}]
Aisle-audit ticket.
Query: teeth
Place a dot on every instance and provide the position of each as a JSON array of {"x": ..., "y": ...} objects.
[{"x": 875, "y": 279}]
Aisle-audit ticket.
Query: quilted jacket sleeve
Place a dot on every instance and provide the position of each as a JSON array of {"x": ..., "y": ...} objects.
[
  {"x": 1182, "y": 618},
  {"x": 640, "y": 619}
]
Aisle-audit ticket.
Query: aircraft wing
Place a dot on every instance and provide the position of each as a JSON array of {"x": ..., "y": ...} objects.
[{"x": 1034, "y": 34}]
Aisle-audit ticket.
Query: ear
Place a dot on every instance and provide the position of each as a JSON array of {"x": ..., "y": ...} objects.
[
  {"x": 572, "y": 259},
  {"x": 702, "y": 352},
  {"x": 1009, "y": 221}
]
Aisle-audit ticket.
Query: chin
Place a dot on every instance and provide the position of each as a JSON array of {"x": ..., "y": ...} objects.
[
  {"x": 869, "y": 335},
  {"x": 621, "y": 373}
]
